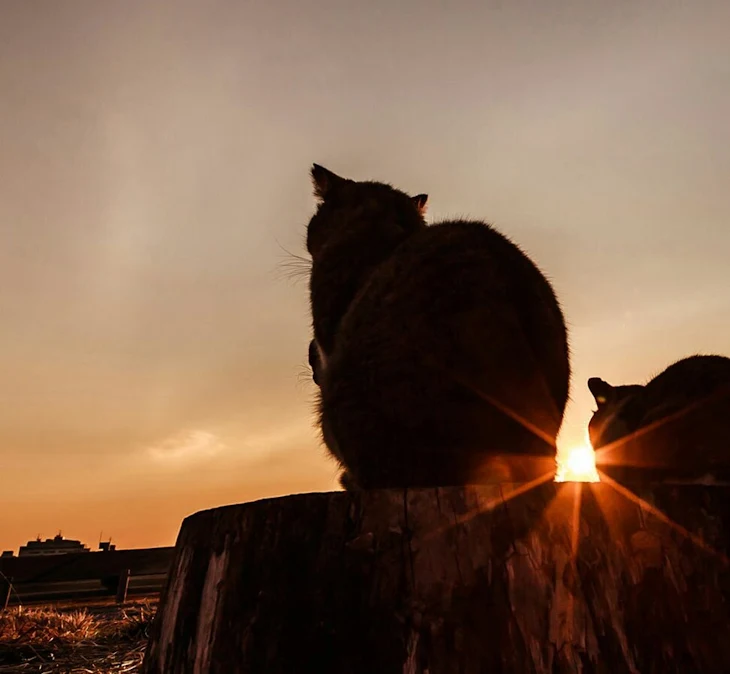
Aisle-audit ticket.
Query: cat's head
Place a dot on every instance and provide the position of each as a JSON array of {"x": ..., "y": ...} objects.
[
  {"x": 360, "y": 211},
  {"x": 620, "y": 411}
]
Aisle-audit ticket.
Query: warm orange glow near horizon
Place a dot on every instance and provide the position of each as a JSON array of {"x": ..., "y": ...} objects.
[
  {"x": 155, "y": 322},
  {"x": 578, "y": 464}
]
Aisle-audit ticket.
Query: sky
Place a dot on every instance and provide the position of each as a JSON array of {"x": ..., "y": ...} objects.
[{"x": 154, "y": 166}]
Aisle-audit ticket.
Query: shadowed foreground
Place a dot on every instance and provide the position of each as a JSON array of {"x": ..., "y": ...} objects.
[{"x": 555, "y": 578}]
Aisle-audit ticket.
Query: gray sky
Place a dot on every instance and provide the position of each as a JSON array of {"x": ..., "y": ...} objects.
[{"x": 154, "y": 158}]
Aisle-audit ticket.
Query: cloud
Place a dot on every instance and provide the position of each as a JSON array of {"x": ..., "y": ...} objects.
[{"x": 186, "y": 446}]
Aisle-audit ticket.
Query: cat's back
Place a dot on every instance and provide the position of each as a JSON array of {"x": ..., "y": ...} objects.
[
  {"x": 457, "y": 308},
  {"x": 449, "y": 243},
  {"x": 462, "y": 281},
  {"x": 460, "y": 266},
  {"x": 685, "y": 382},
  {"x": 698, "y": 370}
]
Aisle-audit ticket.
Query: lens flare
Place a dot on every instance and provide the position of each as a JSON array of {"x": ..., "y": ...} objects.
[{"x": 578, "y": 464}]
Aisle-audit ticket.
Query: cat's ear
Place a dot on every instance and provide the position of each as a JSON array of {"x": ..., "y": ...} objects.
[
  {"x": 602, "y": 391},
  {"x": 324, "y": 180},
  {"x": 420, "y": 200}
]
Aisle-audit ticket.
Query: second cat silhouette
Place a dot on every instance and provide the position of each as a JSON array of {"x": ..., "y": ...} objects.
[
  {"x": 440, "y": 351},
  {"x": 677, "y": 424}
]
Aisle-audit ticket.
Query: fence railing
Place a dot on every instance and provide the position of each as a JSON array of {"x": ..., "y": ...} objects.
[
  {"x": 121, "y": 587},
  {"x": 84, "y": 576}
]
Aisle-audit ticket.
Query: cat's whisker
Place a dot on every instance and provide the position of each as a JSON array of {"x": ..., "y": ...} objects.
[{"x": 294, "y": 267}]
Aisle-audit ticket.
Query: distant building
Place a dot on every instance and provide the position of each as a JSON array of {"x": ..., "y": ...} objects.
[
  {"x": 106, "y": 546},
  {"x": 6, "y": 553},
  {"x": 58, "y": 545}
]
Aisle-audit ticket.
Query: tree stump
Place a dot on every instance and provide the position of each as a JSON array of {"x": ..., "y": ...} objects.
[{"x": 501, "y": 578}]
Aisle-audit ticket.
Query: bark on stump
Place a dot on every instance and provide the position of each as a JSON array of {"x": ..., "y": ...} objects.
[{"x": 557, "y": 578}]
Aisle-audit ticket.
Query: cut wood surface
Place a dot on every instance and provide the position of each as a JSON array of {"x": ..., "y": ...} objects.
[{"x": 554, "y": 578}]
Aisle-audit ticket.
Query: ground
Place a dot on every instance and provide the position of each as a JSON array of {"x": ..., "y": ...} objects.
[{"x": 94, "y": 639}]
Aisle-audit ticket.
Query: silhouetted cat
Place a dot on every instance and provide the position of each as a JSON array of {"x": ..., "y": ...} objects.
[
  {"x": 440, "y": 351},
  {"x": 678, "y": 423}
]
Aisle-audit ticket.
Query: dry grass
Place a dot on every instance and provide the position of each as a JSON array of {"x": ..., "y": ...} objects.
[{"x": 107, "y": 639}]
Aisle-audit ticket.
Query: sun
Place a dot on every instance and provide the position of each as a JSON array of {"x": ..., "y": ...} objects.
[{"x": 577, "y": 464}]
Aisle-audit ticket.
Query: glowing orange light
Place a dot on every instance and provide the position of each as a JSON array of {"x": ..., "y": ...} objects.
[{"x": 578, "y": 464}]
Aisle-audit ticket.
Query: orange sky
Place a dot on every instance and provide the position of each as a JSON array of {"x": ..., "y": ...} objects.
[{"x": 154, "y": 158}]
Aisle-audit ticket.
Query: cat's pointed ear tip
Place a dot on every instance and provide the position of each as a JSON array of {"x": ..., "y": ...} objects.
[
  {"x": 420, "y": 200},
  {"x": 599, "y": 387},
  {"x": 324, "y": 180}
]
